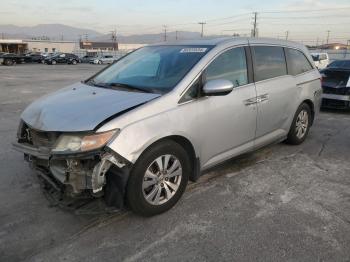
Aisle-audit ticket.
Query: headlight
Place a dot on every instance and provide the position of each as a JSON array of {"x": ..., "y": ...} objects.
[{"x": 83, "y": 143}]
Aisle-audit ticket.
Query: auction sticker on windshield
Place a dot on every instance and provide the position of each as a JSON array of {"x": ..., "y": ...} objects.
[{"x": 193, "y": 50}]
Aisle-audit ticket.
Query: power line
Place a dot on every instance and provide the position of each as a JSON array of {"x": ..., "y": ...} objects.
[
  {"x": 305, "y": 10},
  {"x": 304, "y": 17}
]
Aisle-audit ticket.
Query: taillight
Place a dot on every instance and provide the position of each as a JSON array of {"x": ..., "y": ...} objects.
[{"x": 322, "y": 79}]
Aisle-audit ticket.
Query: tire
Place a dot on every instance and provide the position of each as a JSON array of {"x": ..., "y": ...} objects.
[
  {"x": 100, "y": 62},
  {"x": 155, "y": 192},
  {"x": 300, "y": 125},
  {"x": 8, "y": 62},
  {"x": 74, "y": 62},
  {"x": 53, "y": 62}
]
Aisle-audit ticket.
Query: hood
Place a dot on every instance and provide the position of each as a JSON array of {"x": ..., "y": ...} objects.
[{"x": 80, "y": 107}]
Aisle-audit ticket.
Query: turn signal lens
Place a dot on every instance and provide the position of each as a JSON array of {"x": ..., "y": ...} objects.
[{"x": 96, "y": 141}]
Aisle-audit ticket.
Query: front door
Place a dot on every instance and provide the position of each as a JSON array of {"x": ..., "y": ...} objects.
[{"x": 228, "y": 122}]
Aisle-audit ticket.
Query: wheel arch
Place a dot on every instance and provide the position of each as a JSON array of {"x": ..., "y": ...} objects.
[{"x": 188, "y": 146}]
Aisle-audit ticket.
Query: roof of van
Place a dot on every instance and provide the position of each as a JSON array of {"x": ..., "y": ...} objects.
[{"x": 228, "y": 40}]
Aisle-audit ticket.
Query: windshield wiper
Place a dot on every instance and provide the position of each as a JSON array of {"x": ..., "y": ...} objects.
[
  {"x": 128, "y": 87},
  {"x": 120, "y": 85}
]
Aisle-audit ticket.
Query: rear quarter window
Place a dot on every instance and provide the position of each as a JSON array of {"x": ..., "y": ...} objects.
[
  {"x": 297, "y": 62},
  {"x": 269, "y": 62}
]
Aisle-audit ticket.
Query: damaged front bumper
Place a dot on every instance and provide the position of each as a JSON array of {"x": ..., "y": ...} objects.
[{"x": 74, "y": 173}]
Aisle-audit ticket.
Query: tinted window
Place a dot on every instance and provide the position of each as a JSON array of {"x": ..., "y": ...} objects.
[
  {"x": 269, "y": 62},
  {"x": 315, "y": 57},
  {"x": 230, "y": 65},
  {"x": 297, "y": 62}
]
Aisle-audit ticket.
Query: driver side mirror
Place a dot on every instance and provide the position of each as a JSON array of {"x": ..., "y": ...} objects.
[{"x": 218, "y": 87}]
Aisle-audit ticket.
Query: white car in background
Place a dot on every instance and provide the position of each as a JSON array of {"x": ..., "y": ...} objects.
[
  {"x": 321, "y": 60},
  {"x": 105, "y": 59}
]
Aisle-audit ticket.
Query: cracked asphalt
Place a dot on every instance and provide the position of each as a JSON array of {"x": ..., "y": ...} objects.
[{"x": 282, "y": 203}]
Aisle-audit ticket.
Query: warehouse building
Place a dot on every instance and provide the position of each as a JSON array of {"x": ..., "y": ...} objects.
[{"x": 20, "y": 46}]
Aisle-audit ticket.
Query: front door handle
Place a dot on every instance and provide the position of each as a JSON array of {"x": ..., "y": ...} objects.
[{"x": 250, "y": 101}]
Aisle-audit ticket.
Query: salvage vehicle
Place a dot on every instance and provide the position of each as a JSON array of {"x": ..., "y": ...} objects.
[
  {"x": 321, "y": 60},
  {"x": 63, "y": 58},
  {"x": 140, "y": 129},
  {"x": 336, "y": 85},
  {"x": 105, "y": 59}
]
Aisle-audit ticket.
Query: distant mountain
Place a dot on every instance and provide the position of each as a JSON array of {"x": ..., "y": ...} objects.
[
  {"x": 153, "y": 38},
  {"x": 64, "y": 32},
  {"x": 52, "y": 31}
]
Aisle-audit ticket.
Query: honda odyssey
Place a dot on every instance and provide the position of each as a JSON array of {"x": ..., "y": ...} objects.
[{"x": 140, "y": 129}]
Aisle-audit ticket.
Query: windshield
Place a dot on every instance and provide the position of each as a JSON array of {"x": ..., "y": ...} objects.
[
  {"x": 345, "y": 64},
  {"x": 151, "y": 69}
]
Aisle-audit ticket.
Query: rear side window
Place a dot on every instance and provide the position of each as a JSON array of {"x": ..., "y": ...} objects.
[
  {"x": 230, "y": 65},
  {"x": 297, "y": 62},
  {"x": 269, "y": 62}
]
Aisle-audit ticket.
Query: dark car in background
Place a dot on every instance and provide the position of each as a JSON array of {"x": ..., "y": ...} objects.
[
  {"x": 336, "y": 85},
  {"x": 62, "y": 58},
  {"x": 11, "y": 59},
  {"x": 34, "y": 58},
  {"x": 86, "y": 58}
]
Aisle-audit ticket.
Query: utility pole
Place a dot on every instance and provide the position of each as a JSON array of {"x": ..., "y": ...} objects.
[
  {"x": 328, "y": 31},
  {"x": 287, "y": 34},
  {"x": 202, "y": 24},
  {"x": 165, "y": 36},
  {"x": 255, "y": 25},
  {"x": 114, "y": 39},
  {"x": 346, "y": 49}
]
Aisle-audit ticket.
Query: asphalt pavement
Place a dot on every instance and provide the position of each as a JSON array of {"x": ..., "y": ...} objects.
[{"x": 281, "y": 203}]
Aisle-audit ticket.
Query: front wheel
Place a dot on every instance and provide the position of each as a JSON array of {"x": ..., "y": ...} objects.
[
  {"x": 158, "y": 179},
  {"x": 300, "y": 126}
]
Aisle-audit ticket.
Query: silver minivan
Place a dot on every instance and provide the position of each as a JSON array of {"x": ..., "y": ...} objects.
[{"x": 140, "y": 129}]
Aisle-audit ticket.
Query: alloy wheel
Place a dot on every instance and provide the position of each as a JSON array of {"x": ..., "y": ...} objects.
[
  {"x": 302, "y": 124},
  {"x": 162, "y": 179}
]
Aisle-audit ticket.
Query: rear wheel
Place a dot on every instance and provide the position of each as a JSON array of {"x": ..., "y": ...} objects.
[
  {"x": 74, "y": 62},
  {"x": 53, "y": 62},
  {"x": 300, "y": 126},
  {"x": 8, "y": 62},
  {"x": 158, "y": 179},
  {"x": 99, "y": 62}
]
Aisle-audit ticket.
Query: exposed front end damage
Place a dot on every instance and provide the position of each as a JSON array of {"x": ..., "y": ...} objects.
[{"x": 77, "y": 174}]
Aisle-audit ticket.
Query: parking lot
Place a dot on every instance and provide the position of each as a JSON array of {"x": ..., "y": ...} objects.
[{"x": 282, "y": 203}]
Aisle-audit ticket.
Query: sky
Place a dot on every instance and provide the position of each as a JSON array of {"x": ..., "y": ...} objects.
[{"x": 222, "y": 17}]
